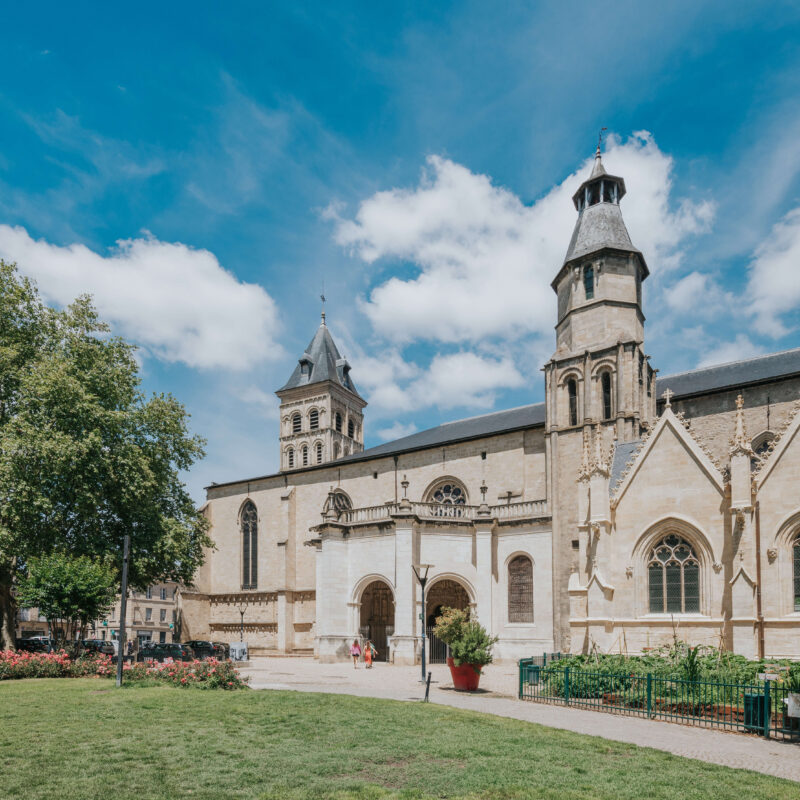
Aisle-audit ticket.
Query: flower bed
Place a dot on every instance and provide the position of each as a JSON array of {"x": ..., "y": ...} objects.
[{"x": 211, "y": 674}]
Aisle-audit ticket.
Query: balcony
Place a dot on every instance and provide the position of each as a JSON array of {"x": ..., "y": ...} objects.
[{"x": 438, "y": 513}]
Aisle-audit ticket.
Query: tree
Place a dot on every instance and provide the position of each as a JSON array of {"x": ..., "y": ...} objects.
[
  {"x": 84, "y": 457},
  {"x": 69, "y": 592}
]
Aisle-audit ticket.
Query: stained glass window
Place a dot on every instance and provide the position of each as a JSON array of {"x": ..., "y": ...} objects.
[
  {"x": 673, "y": 575},
  {"x": 249, "y": 546}
]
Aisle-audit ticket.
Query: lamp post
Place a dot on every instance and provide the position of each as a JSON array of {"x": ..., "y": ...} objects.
[
  {"x": 242, "y": 609},
  {"x": 422, "y": 577}
]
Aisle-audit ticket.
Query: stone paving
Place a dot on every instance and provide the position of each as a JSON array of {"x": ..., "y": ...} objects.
[{"x": 497, "y": 695}]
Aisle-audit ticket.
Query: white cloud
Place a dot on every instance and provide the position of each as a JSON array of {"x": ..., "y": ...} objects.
[
  {"x": 773, "y": 286},
  {"x": 252, "y": 395},
  {"x": 177, "y": 302},
  {"x": 736, "y": 350},
  {"x": 485, "y": 259},
  {"x": 698, "y": 291},
  {"x": 397, "y": 431}
]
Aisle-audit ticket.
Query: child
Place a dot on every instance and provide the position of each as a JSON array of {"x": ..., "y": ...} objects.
[
  {"x": 355, "y": 651},
  {"x": 369, "y": 653}
]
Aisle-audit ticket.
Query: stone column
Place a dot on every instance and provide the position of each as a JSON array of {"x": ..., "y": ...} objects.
[
  {"x": 484, "y": 525},
  {"x": 404, "y": 641},
  {"x": 284, "y": 637}
]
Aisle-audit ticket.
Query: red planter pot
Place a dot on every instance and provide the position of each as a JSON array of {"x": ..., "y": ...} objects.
[{"x": 466, "y": 677}]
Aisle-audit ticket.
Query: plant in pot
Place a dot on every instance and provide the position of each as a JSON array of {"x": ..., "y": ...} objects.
[
  {"x": 791, "y": 714},
  {"x": 470, "y": 647}
]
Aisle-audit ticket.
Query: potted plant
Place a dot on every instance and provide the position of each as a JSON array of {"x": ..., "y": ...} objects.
[
  {"x": 470, "y": 647},
  {"x": 791, "y": 714}
]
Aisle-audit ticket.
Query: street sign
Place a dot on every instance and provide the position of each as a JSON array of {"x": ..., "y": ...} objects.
[{"x": 768, "y": 676}]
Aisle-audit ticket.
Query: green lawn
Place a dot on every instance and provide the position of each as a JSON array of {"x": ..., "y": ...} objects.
[{"x": 81, "y": 739}]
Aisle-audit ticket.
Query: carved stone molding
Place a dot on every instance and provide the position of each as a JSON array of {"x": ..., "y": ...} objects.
[{"x": 772, "y": 554}]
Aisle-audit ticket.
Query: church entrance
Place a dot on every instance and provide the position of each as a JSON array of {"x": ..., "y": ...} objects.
[
  {"x": 377, "y": 617},
  {"x": 443, "y": 594}
]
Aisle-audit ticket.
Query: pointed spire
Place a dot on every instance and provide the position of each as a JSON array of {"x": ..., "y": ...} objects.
[
  {"x": 598, "y": 170},
  {"x": 740, "y": 442}
]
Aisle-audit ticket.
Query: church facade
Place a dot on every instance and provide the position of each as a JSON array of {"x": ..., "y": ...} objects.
[{"x": 623, "y": 511}]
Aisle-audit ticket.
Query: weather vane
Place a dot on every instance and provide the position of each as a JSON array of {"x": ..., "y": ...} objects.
[
  {"x": 322, "y": 297},
  {"x": 600, "y": 137}
]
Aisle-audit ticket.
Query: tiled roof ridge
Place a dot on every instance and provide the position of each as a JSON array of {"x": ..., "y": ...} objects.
[{"x": 709, "y": 367}]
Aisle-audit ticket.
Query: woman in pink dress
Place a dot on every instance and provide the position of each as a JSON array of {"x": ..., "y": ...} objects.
[{"x": 355, "y": 651}]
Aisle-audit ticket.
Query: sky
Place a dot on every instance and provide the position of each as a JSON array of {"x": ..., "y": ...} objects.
[{"x": 205, "y": 171}]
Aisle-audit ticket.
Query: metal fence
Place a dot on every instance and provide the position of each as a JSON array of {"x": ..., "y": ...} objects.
[{"x": 759, "y": 708}]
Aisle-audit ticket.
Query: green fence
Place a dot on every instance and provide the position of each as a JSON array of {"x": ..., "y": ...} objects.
[{"x": 758, "y": 708}]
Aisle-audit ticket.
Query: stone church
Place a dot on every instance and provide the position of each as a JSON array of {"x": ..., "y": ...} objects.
[{"x": 624, "y": 510}]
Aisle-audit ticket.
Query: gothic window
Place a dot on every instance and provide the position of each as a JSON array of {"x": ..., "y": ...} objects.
[
  {"x": 572, "y": 394},
  {"x": 338, "y": 422},
  {"x": 673, "y": 576},
  {"x": 588, "y": 281},
  {"x": 796, "y": 568},
  {"x": 290, "y": 458},
  {"x": 249, "y": 546},
  {"x": 313, "y": 419},
  {"x": 760, "y": 447},
  {"x": 605, "y": 381},
  {"x": 351, "y": 428},
  {"x": 297, "y": 423},
  {"x": 341, "y": 502},
  {"x": 449, "y": 496},
  {"x": 305, "y": 455},
  {"x": 318, "y": 448},
  {"x": 520, "y": 589}
]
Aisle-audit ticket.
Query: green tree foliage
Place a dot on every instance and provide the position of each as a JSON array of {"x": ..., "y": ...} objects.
[
  {"x": 69, "y": 591},
  {"x": 84, "y": 457},
  {"x": 468, "y": 640}
]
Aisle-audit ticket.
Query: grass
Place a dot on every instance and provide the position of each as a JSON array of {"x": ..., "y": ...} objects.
[{"x": 81, "y": 739}]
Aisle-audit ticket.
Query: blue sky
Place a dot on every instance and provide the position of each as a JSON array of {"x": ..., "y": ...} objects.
[{"x": 202, "y": 169}]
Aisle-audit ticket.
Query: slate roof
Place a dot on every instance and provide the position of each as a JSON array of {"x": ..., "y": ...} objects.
[
  {"x": 599, "y": 226},
  {"x": 731, "y": 375},
  {"x": 684, "y": 384},
  {"x": 622, "y": 455},
  {"x": 320, "y": 362}
]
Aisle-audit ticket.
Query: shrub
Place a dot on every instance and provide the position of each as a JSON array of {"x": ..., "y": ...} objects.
[
  {"x": 211, "y": 674},
  {"x": 468, "y": 640}
]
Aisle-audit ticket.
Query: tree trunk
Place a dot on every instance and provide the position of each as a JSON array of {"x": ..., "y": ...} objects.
[{"x": 8, "y": 609}]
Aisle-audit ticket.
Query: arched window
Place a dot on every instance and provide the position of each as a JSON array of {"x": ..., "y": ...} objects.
[
  {"x": 313, "y": 419},
  {"x": 318, "y": 448},
  {"x": 673, "y": 577},
  {"x": 520, "y": 589},
  {"x": 341, "y": 502},
  {"x": 760, "y": 445},
  {"x": 297, "y": 423},
  {"x": 450, "y": 496},
  {"x": 796, "y": 567},
  {"x": 572, "y": 395},
  {"x": 338, "y": 422},
  {"x": 588, "y": 281},
  {"x": 351, "y": 428},
  {"x": 605, "y": 381},
  {"x": 305, "y": 455},
  {"x": 290, "y": 458},
  {"x": 249, "y": 546}
]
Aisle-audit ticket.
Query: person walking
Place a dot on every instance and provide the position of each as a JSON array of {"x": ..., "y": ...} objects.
[
  {"x": 355, "y": 651},
  {"x": 369, "y": 653}
]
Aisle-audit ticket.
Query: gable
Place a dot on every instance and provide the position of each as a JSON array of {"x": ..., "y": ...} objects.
[
  {"x": 670, "y": 462},
  {"x": 785, "y": 456}
]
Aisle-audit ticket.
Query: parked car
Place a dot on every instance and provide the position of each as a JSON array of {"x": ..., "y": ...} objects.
[
  {"x": 98, "y": 646},
  {"x": 223, "y": 650},
  {"x": 36, "y": 644},
  {"x": 155, "y": 651},
  {"x": 203, "y": 649}
]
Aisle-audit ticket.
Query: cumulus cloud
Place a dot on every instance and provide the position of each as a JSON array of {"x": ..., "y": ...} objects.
[
  {"x": 485, "y": 259},
  {"x": 177, "y": 302},
  {"x": 773, "y": 287},
  {"x": 397, "y": 431},
  {"x": 698, "y": 290},
  {"x": 742, "y": 347}
]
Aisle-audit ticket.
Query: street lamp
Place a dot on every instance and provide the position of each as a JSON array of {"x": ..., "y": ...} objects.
[
  {"x": 422, "y": 577},
  {"x": 242, "y": 609}
]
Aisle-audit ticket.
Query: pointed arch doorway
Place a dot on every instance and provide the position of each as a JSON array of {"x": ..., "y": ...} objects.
[
  {"x": 376, "y": 621},
  {"x": 445, "y": 593}
]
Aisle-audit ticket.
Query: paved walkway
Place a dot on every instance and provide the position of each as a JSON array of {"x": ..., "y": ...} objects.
[{"x": 498, "y": 696}]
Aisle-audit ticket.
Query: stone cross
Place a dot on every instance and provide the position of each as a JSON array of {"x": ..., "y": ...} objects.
[{"x": 667, "y": 397}]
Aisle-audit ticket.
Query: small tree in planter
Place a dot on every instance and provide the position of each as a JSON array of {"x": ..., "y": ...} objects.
[{"x": 470, "y": 647}]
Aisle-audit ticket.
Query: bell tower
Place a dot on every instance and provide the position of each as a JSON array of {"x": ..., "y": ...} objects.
[
  {"x": 321, "y": 410},
  {"x": 599, "y": 373}
]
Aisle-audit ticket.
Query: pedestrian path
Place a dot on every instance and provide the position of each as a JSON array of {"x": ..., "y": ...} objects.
[{"x": 498, "y": 696}]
